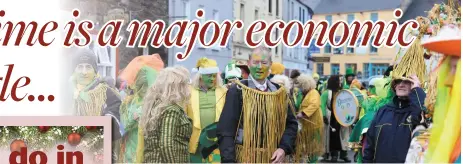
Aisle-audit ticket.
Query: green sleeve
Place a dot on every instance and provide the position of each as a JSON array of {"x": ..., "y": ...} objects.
[{"x": 323, "y": 99}]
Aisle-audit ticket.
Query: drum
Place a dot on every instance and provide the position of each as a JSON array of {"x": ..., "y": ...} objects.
[{"x": 347, "y": 105}]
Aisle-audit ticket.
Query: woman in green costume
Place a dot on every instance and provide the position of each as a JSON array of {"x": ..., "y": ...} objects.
[{"x": 131, "y": 112}]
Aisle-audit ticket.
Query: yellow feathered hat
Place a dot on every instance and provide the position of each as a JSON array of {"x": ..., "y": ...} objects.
[
  {"x": 277, "y": 68},
  {"x": 206, "y": 66}
]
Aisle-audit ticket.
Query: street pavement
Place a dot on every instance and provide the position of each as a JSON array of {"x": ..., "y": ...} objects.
[{"x": 350, "y": 154}]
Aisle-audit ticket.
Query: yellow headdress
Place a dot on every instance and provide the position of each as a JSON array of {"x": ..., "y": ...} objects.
[
  {"x": 277, "y": 68},
  {"x": 206, "y": 66}
]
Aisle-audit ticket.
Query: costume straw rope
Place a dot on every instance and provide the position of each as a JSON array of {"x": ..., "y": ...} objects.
[{"x": 264, "y": 121}]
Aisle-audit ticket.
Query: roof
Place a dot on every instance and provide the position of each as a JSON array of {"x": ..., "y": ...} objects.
[
  {"x": 310, "y": 4},
  {"x": 419, "y": 8},
  {"x": 352, "y": 6}
]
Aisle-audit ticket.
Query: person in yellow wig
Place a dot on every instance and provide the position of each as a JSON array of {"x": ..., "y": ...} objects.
[
  {"x": 206, "y": 103},
  {"x": 310, "y": 139},
  {"x": 444, "y": 144},
  {"x": 257, "y": 124}
]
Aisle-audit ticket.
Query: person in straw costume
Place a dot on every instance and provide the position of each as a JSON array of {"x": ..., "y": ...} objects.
[
  {"x": 389, "y": 135},
  {"x": 310, "y": 139},
  {"x": 257, "y": 124},
  {"x": 206, "y": 104},
  {"x": 92, "y": 96}
]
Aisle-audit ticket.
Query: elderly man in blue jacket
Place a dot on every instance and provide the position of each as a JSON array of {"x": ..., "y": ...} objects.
[{"x": 389, "y": 135}]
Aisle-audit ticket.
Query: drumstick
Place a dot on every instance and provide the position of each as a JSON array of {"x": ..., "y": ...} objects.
[{"x": 332, "y": 129}]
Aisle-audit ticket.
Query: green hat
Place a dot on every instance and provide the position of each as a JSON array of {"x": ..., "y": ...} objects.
[{"x": 350, "y": 72}]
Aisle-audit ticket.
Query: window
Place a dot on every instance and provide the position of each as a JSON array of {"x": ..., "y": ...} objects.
[
  {"x": 327, "y": 49},
  {"x": 242, "y": 18},
  {"x": 350, "y": 18},
  {"x": 373, "y": 69},
  {"x": 329, "y": 19},
  {"x": 256, "y": 14},
  {"x": 366, "y": 70},
  {"x": 292, "y": 11},
  {"x": 334, "y": 69},
  {"x": 374, "y": 17},
  {"x": 373, "y": 50},
  {"x": 277, "y": 5},
  {"x": 202, "y": 19},
  {"x": 320, "y": 69},
  {"x": 378, "y": 69},
  {"x": 215, "y": 16},
  {"x": 339, "y": 50},
  {"x": 270, "y": 6},
  {"x": 105, "y": 60},
  {"x": 313, "y": 47},
  {"x": 303, "y": 15},
  {"x": 300, "y": 13},
  {"x": 288, "y": 10},
  {"x": 353, "y": 66},
  {"x": 186, "y": 9}
]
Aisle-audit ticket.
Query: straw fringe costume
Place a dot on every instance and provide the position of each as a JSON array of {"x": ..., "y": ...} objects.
[
  {"x": 97, "y": 98},
  {"x": 310, "y": 140},
  {"x": 254, "y": 124}
]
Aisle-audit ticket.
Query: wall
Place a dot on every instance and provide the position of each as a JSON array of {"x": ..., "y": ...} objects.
[
  {"x": 186, "y": 9},
  {"x": 360, "y": 55},
  {"x": 248, "y": 15},
  {"x": 296, "y": 57}
]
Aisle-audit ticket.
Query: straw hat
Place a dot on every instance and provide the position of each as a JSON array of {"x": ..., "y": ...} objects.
[{"x": 447, "y": 41}]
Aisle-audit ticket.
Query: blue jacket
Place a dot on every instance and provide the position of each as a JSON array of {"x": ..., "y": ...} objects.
[{"x": 389, "y": 135}]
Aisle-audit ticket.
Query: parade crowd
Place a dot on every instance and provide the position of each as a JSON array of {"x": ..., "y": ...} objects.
[{"x": 253, "y": 113}]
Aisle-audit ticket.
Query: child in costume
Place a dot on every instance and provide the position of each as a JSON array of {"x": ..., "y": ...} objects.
[
  {"x": 310, "y": 139},
  {"x": 206, "y": 104},
  {"x": 257, "y": 124},
  {"x": 92, "y": 96}
]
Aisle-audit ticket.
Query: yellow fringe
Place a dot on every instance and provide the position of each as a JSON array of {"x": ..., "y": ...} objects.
[
  {"x": 307, "y": 143},
  {"x": 264, "y": 121},
  {"x": 431, "y": 95},
  {"x": 412, "y": 62},
  {"x": 97, "y": 101}
]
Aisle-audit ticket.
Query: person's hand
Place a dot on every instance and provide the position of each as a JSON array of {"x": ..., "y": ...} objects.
[
  {"x": 416, "y": 81},
  {"x": 299, "y": 116},
  {"x": 325, "y": 120},
  {"x": 135, "y": 116},
  {"x": 278, "y": 156}
]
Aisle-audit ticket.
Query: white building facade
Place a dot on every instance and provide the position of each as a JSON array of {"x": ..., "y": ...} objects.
[
  {"x": 296, "y": 58},
  {"x": 218, "y": 10}
]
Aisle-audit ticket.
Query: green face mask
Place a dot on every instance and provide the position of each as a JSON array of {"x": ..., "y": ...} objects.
[
  {"x": 259, "y": 66},
  {"x": 209, "y": 80},
  {"x": 84, "y": 74}
]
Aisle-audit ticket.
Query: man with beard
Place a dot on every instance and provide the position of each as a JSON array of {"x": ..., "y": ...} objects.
[
  {"x": 257, "y": 124},
  {"x": 350, "y": 76}
]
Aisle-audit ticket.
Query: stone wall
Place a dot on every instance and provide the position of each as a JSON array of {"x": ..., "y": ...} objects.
[{"x": 100, "y": 11}]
